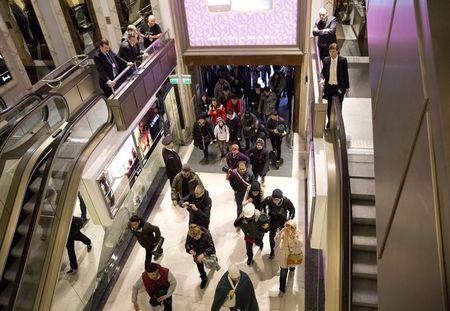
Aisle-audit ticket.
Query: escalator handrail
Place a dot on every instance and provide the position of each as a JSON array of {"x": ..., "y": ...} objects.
[
  {"x": 337, "y": 126},
  {"x": 60, "y": 139},
  {"x": 80, "y": 61},
  {"x": 40, "y": 105},
  {"x": 4, "y": 114}
]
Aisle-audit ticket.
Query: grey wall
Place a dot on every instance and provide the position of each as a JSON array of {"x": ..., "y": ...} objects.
[{"x": 410, "y": 80}]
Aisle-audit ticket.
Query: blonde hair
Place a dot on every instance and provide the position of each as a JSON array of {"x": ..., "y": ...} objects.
[{"x": 194, "y": 231}]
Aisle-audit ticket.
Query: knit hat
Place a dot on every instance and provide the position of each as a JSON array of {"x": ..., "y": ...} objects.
[
  {"x": 233, "y": 271},
  {"x": 249, "y": 210},
  {"x": 234, "y": 147},
  {"x": 260, "y": 141},
  {"x": 219, "y": 119},
  {"x": 167, "y": 140},
  {"x": 255, "y": 186},
  {"x": 277, "y": 194},
  {"x": 186, "y": 167}
]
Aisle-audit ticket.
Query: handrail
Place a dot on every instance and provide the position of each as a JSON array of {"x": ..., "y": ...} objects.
[
  {"x": 80, "y": 61},
  {"x": 12, "y": 109},
  {"x": 61, "y": 138},
  {"x": 338, "y": 128},
  {"x": 152, "y": 48}
]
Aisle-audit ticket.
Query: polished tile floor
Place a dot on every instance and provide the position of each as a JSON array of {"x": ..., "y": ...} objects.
[{"x": 229, "y": 245}]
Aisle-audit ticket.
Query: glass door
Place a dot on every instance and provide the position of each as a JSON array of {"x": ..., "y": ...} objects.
[
  {"x": 22, "y": 22},
  {"x": 82, "y": 23}
]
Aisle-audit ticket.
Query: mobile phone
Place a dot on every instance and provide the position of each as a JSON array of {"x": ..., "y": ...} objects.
[{"x": 219, "y": 5}]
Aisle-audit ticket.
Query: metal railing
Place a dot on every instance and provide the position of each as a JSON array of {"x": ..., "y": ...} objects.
[
  {"x": 155, "y": 46},
  {"x": 55, "y": 77}
]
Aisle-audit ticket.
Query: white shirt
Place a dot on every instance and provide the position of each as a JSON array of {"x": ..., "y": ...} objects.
[{"x": 333, "y": 71}]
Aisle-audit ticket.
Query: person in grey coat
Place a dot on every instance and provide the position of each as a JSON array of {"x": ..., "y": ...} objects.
[{"x": 267, "y": 103}]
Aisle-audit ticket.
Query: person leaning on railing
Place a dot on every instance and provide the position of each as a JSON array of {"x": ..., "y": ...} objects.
[{"x": 150, "y": 31}]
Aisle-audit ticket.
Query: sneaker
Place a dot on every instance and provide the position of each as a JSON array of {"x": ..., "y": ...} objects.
[
  {"x": 249, "y": 262},
  {"x": 89, "y": 248},
  {"x": 72, "y": 271},
  {"x": 203, "y": 282},
  {"x": 291, "y": 269}
]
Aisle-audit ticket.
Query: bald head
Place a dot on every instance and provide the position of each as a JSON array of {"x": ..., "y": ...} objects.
[{"x": 151, "y": 20}]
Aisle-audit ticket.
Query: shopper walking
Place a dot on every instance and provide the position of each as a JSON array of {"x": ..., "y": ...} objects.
[
  {"x": 76, "y": 235},
  {"x": 184, "y": 183},
  {"x": 147, "y": 235},
  {"x": 171, "y": 159},
  {"x": 198, "y": 204},
  {"x": 259, "y": 158},
  {"x": 240, "y": 179},
  {"x": 203, "y": 135}
]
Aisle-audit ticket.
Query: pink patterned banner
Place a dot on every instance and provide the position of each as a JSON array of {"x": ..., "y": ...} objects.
[{"x": 241, "y": 22}]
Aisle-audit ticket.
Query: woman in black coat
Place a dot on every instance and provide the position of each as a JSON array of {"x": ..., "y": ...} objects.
[
  {"x": 203, "y": 135},
  {"x": 199, "y": 244}
]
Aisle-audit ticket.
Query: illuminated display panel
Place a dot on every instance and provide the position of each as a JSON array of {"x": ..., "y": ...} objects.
[
  {"x": 5, "y": 76},
  {"x": 241, "y": 22}
]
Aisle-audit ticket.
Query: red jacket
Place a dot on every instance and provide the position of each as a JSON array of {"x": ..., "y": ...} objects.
[
  {"x": 214, "y": 113},
  {"x": 161, "y": 283},
  {"x": 236, "y": 108}
]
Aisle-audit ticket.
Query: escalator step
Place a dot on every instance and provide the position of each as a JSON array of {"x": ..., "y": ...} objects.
[
  {"x": 362, "y": 189},
  {"x": 70, "y": 150},
  {"x": 11, "y": 273},
  {"x": 364, "y": 237},
  {"x": 47, "y": 208},
  {"x": 5, "y": 294},
  {"x": 363, "y": 212},
  {"x": 24, "y": 226},
  {"x": 364, "y": 264},
  {"x": 59, "y": 168},
  {"x": 364, "y": 293},
  {"x": 18, "y": 248},
  {"x": 361, "y": 170}
]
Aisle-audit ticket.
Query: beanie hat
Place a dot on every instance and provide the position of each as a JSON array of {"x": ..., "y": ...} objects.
[
  {"x": 260, "y": 141},
  {"x": 233, "y": 271},
  {"x": 234, "y": 147},
  {"x": 249, "y": 210},
  {"x": 277, "y": 194},
  {"x": 255, "y": 186}
]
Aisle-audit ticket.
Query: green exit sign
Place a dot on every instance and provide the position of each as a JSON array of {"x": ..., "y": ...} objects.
[{"x": 180, "y": 79}]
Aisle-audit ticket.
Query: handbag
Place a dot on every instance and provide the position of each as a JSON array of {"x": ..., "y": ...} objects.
[
  {"x": 211, "y": 263},
  {"x": 294, "y": 259}
]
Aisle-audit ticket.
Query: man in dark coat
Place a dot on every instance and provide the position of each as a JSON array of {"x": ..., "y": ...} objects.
[
  {"x": 199, "y": 244},
  {"x": 325, "y": 30},
  {"x": 234, "y": 126},
  {"x": 147, "y": 235},
  {"x": 240, "y": 179},
  {"x": 235, "y": 291},
  {"x": 280, "y": 209},
  {"x": 203, "y": 135},
  {"x": 259, "y": 158},
  {"x": 334, "y": 77},
  {"x": 198, "y": 204},
  {"x": 109, "y": 65},
  {"x": 129, "y": 49},
  {"x": 76, "y": 235},
  {"x": 277, "y": 128},
  {"x": 171, "y": 159}
]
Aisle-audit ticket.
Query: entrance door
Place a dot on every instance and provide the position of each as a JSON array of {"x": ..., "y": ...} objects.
[
  {"x": 82, "y": 23},
  {"x": 20, "y": 18}
]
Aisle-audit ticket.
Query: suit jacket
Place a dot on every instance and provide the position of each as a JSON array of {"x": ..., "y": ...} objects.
[
  {"x": 105, "y": 69},
  {"x": 326, "y": 31},
  {"x": 128, "y": 52},
  {"x": 341, "y": 73}
]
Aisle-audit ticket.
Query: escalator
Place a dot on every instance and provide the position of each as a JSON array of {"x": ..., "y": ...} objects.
[
  {"x": 30, "y": 213},
  {"x": 355, "y": 180}
]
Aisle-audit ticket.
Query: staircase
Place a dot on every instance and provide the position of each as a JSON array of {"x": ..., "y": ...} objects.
[{"x": 364, "y": 242}]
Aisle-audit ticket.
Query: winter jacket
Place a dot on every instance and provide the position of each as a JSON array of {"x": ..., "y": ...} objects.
[
  {"x": 248, "y": 124},
  {"x": 259, "y": 160},
  {"x": 204, "y": 245},
  {"x": 267, "y": 103},
  {"x": 203, "y": 135},
  {"x": 252, "y": 229},
  {"x": 222, "y": 133},
  {"x": 278, "y": 213},
  {"x": 289, "y": 244},
  {"x": 277, "y": 85},
  {"x": 147, "y": 234},
  {"x": 218, "y": 88},
  {"x": 237, "y": 108},
  {"x": 273, "y": 124},
  {"x": 240, "y": 182},
  {"x": 194, "y": 180},
  {"x": 234, "y": 125},
  {"x": 215, "y": 112},
  {"x": 232, "y": 162},
  {"x": 201, "y": 216}
]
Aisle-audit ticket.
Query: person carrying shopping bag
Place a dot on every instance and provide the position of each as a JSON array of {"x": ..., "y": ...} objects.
[{"x": 290, "y": 251}]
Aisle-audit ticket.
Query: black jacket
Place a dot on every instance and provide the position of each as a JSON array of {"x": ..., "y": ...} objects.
[
  {"x": 128, "y": 52},
  {"x": 201, "y": 216},
  {"x": 325, "y": 31},
  {"x": 105, "y": 69},
  {"x": 259, "y": 160},
  {"x": 204, "y": 245},
  {"x": 341, "y": 73},
  {"x": 273, "y": 124},
  {"x": 278, "y": 213},
  {"x": 173, "y": 163},
  {"x": 239, "y": 182},
  {"x": 234, "y": 125},
  {"x": 203, "y": 135},
  {"x": 147, "y": 234}
]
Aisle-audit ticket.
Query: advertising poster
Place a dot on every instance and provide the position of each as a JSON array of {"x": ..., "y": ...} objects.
[{"x": 241, "y": 22}]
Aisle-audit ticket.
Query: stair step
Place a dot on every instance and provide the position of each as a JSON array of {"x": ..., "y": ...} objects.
[
  {"x": 55, "y": 184},
  {"x": 23, "y": 228},
  {"x": 360, "y": 157},
  {"x": 11, "y": 273},
  {"x": 359, "y": 308},
  {"x": 70, "y": 150},
  {"x": 364, "y": 237},
  {"x": 5, "y": 294},
  {"x": 362, "y": 189},
  {"x": 60, "y": 168},
  {"x": 364, "y": 293},
  {"x": 363, "y": 212},
  {"x": 18, "y": 248},
  {"x": 29, "y": 207},
  {"x": 364, "y": 264},
  {"x": 361, "y": 170}
]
